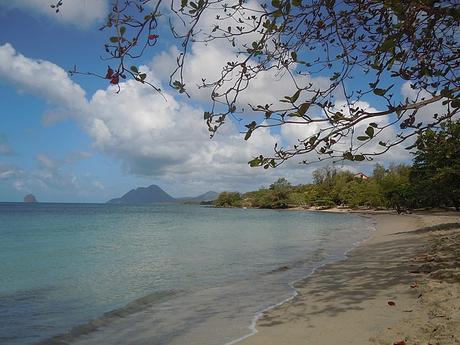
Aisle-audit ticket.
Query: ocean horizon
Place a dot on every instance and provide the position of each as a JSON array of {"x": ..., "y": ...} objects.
[{"x": 163, "y": 273}]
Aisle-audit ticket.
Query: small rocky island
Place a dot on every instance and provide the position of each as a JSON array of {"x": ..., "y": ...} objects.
[{"x": 30, "y": 198}]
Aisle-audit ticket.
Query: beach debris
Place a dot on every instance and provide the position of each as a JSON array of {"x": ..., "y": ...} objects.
[
  {"x": 414, "y": 285},
  {"x": 391, "y": 303},
  {"x": 402, "y": 342}
]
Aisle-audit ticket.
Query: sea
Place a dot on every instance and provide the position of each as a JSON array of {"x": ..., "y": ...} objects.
[{"x": 157, "y": 274}]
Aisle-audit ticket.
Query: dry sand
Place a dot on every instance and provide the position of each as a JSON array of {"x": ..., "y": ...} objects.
[{"x": 402, "y": 286}]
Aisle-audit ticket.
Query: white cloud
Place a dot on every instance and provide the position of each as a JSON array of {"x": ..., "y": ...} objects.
[
  {"x": 81, "y": 13},
  {"x": 8, "y": 171},
  {"x": 41, "y": 78},
  {"x": 167, "y": 140},
  {"x": 157, "y": 138}
]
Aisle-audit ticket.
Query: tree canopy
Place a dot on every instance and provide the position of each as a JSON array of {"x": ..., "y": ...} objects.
[
  {"x": 436, "y": 170},
  {"x": 346, "y": 61},
  {"x": 433, "y": 180}
]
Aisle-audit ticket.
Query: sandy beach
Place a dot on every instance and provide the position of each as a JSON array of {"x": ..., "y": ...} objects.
[{"x": 401, "y": 286}]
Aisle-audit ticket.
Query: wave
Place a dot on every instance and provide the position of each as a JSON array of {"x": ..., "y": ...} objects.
[{"x": 91, "y": 326}]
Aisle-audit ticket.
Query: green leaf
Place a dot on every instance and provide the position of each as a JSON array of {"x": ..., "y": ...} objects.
[
  {"x": 254, "y": 163},
  {"x": 142, "y": 76},
  {"x": 114, "y": 39},
  {"x": 295, "y": 96},
  {"x": 276, "y": 3},
  {"x": 455, "y": 103},
  {"x": 387, "y": 45},
  {"x": 380, "y": 92},
  {"x": 348, "y": 156},
  {"x": 335, "y": 76},
  {"x": 362, "y": 138},
  {"x": 370, "y": 131},
  {"x": 312, "y": 140},
  {"x": 122, "y": 30},
  {"x": 373, "y": 124},
  {"x": 359, "y": 158},
  {"x": 381, "y": 143},
  {"x": 248, "y": 134},
  {"x": 303, "y": 108},
  {"x": 296, "y": 2},
  {"x": 294, "y": 56},
  {"x": 134, "y": 69}
]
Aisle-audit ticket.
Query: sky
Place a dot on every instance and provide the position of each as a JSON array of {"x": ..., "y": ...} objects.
[{"x": 75, "y": 139}]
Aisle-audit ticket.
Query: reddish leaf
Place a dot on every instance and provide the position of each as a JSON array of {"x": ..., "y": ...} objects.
[
  {"x": 391, "y": 303},
  {"x": 115, "y": 79},
  {"x": 109, "y": 73},
  {"x": 153, "y": 36}
]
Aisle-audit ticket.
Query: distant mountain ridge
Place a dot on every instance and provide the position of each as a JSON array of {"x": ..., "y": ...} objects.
[
  {"x": 208, "y": 196},
  {"x": 154, "y": 194}
]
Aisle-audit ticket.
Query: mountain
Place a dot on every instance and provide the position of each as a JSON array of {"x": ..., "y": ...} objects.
[
  {"x": 144, "y": 195},
  {"x": 208, "y": 196}
]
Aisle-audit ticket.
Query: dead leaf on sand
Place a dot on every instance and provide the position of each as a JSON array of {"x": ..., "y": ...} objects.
[{"x": 402, "y": 342}]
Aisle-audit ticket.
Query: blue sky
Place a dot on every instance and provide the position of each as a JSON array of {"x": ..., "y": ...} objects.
[{"x": 73, "y": 139}]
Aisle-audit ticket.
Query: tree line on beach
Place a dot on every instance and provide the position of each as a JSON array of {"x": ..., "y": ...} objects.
[{"x": 433, "y": 180}]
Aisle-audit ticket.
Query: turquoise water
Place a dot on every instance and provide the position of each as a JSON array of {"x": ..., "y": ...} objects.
[{"x": 171, "y": 272}]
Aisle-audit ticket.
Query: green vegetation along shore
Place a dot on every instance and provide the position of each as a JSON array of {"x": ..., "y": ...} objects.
[{"x": 433, "y": 180}]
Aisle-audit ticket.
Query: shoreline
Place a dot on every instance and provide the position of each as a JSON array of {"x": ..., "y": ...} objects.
[
  {"x": 328, "y": 309},
  {"x": 293, "y": 284}
]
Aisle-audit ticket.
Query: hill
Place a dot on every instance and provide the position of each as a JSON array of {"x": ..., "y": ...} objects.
[{"x": 144, "y": 195}]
